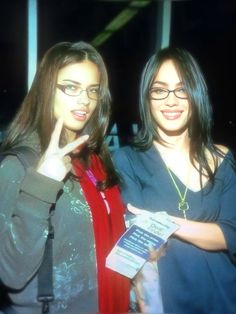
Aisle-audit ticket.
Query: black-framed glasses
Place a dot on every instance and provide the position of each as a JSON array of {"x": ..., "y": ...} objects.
[
  {"x": 159, "y": 93},
  {"x": 93, "y": 92}
]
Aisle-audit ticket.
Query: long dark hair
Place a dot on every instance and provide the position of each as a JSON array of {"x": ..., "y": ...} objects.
[
  {"x": 200, "y": 125},
  {"x": 37, "y": 113}
]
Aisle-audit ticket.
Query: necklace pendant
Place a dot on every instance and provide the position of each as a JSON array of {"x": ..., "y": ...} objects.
[{"x": 183, "y": 205}]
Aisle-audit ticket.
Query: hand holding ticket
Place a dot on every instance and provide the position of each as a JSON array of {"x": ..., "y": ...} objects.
[{"x": 150, "y": 230}]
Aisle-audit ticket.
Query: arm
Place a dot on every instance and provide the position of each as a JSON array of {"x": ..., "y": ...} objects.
[
  {"x": 24, "y": 210},
  {"x": 208, "y": 236},
  {"x": 221, "y": 234},
  {"x": 26, "y": 199}
]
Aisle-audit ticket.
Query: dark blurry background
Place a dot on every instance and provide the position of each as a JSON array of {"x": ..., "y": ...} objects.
[{"x": 206, "y": 28}]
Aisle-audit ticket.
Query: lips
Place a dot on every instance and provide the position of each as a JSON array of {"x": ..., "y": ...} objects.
[
  {"x": 172, "y": 114},
  {"x": 79, "y": 114}
]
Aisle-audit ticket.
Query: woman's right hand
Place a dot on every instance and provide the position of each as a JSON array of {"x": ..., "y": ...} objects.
[
  {"x": 56, "y": 163},
  {"x": 154, "y": 255}
]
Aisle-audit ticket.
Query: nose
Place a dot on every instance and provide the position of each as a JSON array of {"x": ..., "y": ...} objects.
[
  {"x": 83, "y": 98},
  {"x": 171, "y": 100}
]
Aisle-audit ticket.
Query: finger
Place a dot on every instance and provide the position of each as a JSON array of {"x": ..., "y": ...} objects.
[
  {"x": 66, "y": 159},
  {"x": 67, "y": 163},
  {"x": 55, "y": 138},
  {"x": 139, "y": 294},
  {"x": 134, "y": 210},
  {"x": 68, "y": 167},
  {"x": 75, "y": 144},
  {"x": 153, "y": 254},
  {"x": 138, "y": 211}
]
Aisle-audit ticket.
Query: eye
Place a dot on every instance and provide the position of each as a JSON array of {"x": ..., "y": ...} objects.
[
  {"x": 182, "y": 90},
  {"x": 94, "y": 90},
  {"x": 71, "y": 88},
  {"x": 181, "y": 93},
  {"x": 158, "y": 90}
]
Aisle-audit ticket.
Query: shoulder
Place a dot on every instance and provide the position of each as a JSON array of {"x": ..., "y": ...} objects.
[
  {"x": 11, "y": 168},
  {"x": 226, "y": 160},
  {"x": 123, "y": 158},
  {"x": 222, "y": 148},
  {"x": 226, "y": 154},
  {"x": 125, "y": 153},
  {"x": 122, "y": 151},
  {"x": 141, "y": 162},
  {"x": 26, "y": 155},
  {"x": 216, "y": 157}
]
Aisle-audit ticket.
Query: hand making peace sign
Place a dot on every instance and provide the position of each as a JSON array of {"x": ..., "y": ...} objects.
[{"x": 55, "y": 163}]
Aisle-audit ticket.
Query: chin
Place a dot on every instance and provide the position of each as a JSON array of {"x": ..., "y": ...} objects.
[
  {"x": 174, "y": 131},
  {"x": 73, "y": 131},
  {"x": 75, "y": 127}
]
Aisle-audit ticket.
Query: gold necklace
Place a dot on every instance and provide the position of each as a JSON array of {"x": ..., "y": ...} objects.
[{"x": 182, "y": 204}]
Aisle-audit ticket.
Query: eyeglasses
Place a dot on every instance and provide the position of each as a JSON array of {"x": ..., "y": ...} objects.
[
  {"x": 159, "y": 93},
  {"x": 93, "y": 92}
]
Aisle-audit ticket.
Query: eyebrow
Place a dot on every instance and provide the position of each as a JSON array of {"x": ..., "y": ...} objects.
[
  {"x": 78, "y": 83},
  {"x": 165, "y": 84}
]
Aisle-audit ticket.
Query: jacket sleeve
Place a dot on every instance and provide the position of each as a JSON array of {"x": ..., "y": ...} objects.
[
  {"x": 25, "y": 201},
  {"x": 227, "y": 217}
]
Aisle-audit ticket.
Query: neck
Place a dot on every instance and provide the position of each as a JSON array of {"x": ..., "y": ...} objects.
[
  {"x": 174, "y": 142},
  {"x": 70, "y": 136}
]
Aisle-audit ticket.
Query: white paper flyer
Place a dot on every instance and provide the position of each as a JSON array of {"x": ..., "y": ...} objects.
[{"x": 150, "y": 230}]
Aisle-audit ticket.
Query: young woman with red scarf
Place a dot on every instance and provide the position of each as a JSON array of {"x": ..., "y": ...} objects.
[{"x": 64, "y": 118}]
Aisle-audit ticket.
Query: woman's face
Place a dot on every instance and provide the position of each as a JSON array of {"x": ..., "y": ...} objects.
[
  {"x": 76, "y": 95},
  {"x": 171, "y": 113}
]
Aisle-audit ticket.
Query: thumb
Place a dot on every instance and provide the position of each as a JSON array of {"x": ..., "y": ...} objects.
[
  {"x": 137, "y": 211},
  {"x": 73, "y": 145},
  {"x": 134, "y": 210}
]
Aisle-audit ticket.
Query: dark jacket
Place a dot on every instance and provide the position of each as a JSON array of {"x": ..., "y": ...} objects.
[{"x": 26, "y": 199}]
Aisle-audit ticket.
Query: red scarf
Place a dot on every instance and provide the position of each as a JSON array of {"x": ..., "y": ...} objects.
[{"x": 113, "y": 288}]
